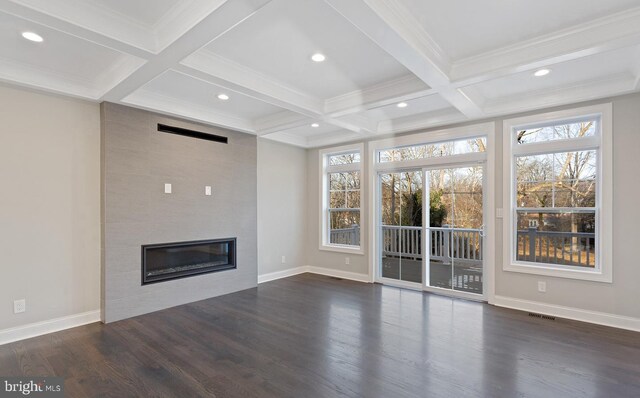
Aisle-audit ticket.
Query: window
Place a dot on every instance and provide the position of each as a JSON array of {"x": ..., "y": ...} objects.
[
  {"x": 558, "y": 190},
  {"x": 447, "y": 148},
  {"x": 341, "y": 204}
]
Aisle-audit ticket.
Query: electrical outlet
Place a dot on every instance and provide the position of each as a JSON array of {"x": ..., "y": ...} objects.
[
  {"x": 542, "y": 287},
  {"x": 207, "y": 190},
  {"x": 347, "y": 260},
  {"x": 167, "y": 188},
  {"x": 284, "y": 259},
  {"x": 19, "y": 306}
]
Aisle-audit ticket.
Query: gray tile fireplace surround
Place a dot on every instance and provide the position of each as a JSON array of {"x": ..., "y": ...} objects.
[{"x": 137, "y": 161}]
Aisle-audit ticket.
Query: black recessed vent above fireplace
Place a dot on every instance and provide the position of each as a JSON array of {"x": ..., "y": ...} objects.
[
  {"x": 165, "y": 261},
  {"x": 192, "y": 133}
]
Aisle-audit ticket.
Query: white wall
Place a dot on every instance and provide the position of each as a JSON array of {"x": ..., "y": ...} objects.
[
  {"x": 49, "y": 207},
  {"x": 282, "y": 204},
  {"x": 622, "y": 296},
  {"x": 358, "y": 263},
  {"x": 50, "y": 213},
  {"x": 619, "y": 298}
]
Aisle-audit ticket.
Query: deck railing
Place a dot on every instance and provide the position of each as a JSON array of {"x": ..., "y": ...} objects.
[
  {"x": 563, "y": 248},
  {"x": 345, "y": 236},
  {"x": 465, "y": 244},
  {"x": 460, "y": 244}
]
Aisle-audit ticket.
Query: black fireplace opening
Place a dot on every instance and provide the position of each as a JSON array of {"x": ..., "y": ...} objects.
[{"x": 166, "y": 261}]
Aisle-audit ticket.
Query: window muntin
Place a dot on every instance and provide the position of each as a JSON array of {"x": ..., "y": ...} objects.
[
  {"x": 425, "y": 151},
  {"x": 341, "y": 209},
  {"x": 555, "y": 198},
  {"x": 566, "y": 179}
]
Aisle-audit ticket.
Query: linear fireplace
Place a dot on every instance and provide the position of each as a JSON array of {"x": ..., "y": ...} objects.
[{"x": 165, "y": 261}]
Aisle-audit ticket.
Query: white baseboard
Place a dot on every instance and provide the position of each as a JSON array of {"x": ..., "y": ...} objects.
[
  {"x": 53, "y": 325},
  {"x": 272, "y": 276},
  {"x": 314, "y": 270},
  {"x": 576, "y": 314},
  {"x": 336, "y": 273}
]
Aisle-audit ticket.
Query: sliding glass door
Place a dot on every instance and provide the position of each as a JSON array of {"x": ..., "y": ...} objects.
[
  {"x": 431, "y": 228},
  {"x": 401, "y": 228},
  {"x": 455, "y": 229}
]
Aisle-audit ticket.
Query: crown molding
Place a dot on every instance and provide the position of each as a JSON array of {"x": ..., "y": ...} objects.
[
  {"x": 333, "y": 138},
  {"x": 222, "y": 71},
  {"x": 48, "y": 80},
  {"x": 416, "y": 122},
  {"x": 91, "y": 17},
  {"x": 155, "y": 102},
  {"x": 354, "y": 122},
  {"x": 288, "y": 138},
  {"x": 604, "y": 34},
  {"x": 618, "y": 84},
  {"x": 278, "y": 122},
  {"x": 404, "y": 88},
  {"x": 89, "y": 34}
]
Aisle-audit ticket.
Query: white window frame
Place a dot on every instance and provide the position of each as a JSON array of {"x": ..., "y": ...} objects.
[
  {"x": 602, "y": 143},
  {"x": 325, "y": 169}
]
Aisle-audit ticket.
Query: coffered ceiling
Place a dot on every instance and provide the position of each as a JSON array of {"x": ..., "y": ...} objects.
[{"x": 442, "y": 61}]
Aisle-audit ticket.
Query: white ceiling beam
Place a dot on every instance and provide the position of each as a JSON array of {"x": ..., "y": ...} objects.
[
  {"x": 252, "y": 84},
  {"x": 219, "y": 21},
  {"x": 353, "y": 122},
  {"x": 233, "y": 76},
  {"x": 279, "y": 122},
  {"x": 155, "y": 102},
  {"x": 589, "y": 38},
  {"x": 41, "y": 18},
  {"x": 394, "y": 29},
  {"x": 332, "y": 138},
  {"x": 248, "y": 82},
  {"x": 288, "y": 138},
  {"x": 583, "y": 91},
  {"x": 410, "y": 123},
  {"x": 405, "y": 88}
]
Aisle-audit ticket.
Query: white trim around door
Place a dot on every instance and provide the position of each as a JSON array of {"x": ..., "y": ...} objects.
[{"x": 487, "y": 159}]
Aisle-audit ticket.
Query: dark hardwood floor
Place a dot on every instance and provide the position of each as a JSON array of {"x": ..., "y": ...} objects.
[{"x": 314, "y": 336}]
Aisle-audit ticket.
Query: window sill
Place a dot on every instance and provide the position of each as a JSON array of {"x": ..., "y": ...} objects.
[
  {"x": 342, "y": 249},
  {"x": 594, "y": 276}
]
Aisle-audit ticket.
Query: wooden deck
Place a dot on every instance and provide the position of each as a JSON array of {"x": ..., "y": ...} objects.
[{"x": 466, "y": 277}]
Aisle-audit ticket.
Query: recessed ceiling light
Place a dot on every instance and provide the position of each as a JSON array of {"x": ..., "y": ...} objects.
[
  {"x": 32, "y": 37},
  {"x": 318, "y": 57},
  {"x": 315, "y": 125},
  {"x": 223, "y": 97},
  {"x": 402, "y": 105},
  {"x": 542, "y": 72}
]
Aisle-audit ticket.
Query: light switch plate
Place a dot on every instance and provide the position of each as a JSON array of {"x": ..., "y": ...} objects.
[
  {"x": 19, "y": 306},
  {"x": 542, "y": 287},
  {"x": 167, "y": 188},
  {"x": 207, "y": 190}
]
